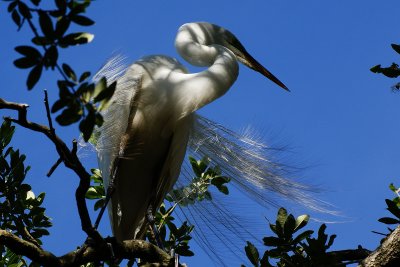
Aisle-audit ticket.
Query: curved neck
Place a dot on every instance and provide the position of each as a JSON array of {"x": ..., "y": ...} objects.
[{"x": 197, "y": 46}]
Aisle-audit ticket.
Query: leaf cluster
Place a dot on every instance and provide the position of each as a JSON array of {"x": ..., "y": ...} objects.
[
  {"x": 21, "y": 212},
  {"x": 10, "y": 259},
  {"x": 198, "y": 189},
  {"x": 393, "y": 206},
  {"x": 96, "y": 191},
  {"x": 80, "y": 100},
  {"x": 289, "y": 248},
  {"x": 393, "y": 71},
  {"x": 173, "y": 237}
]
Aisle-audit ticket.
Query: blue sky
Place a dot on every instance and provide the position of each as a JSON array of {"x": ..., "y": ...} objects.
[{"x": 340, "y": 119}]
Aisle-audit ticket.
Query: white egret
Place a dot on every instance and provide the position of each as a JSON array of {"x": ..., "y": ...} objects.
[{"x": 151, "y": 120}]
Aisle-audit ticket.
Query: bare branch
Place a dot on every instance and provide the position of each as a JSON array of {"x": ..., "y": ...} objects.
[
  {"x": 46, "y": 103},
  {"x": 69, "y": 158},
  {"x": 21, "y": 108},
  {"x": 54, "y": 167}
]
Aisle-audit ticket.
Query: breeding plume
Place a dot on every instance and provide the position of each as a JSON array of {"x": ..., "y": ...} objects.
[{"x": 151, "y": 123}]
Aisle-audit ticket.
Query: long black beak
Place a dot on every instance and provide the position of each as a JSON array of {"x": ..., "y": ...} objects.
[{"x": 250, "y": 62}]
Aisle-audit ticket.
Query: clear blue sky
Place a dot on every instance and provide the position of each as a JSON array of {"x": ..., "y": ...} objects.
[{"x": 340, "y": 118}]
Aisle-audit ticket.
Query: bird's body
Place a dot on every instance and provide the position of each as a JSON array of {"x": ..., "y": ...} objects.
[
  {"x": 148, "y": 140},
  {"x": 147, "y": 127}
]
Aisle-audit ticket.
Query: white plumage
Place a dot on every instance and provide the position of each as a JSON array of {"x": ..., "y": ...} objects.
[{"x": 151, "y": 120}]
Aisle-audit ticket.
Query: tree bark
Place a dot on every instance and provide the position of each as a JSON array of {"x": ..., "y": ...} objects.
[{"x": 387, "y": 254}]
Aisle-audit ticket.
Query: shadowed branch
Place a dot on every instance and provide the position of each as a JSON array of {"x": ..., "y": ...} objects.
[
  {"x": 128, "y": 250},
  {"x": 67, "y": 156}
]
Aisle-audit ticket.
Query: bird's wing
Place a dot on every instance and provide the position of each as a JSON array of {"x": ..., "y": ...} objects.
[
  {"x": 223, "y": 224},
  {"x": 108, "y": 138},
  {"x": 173, "y": 162}
]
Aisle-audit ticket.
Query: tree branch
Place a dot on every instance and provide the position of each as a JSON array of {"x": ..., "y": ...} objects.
[
  {"x": 130, "y": 249},
  {"x": 350, "y": 255},
  {"x": 69, "y": 158},
  {"x": 387, "y": 254}
]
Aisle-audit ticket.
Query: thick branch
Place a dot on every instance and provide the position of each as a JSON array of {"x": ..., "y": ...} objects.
[
  {"x": 130, "y": 249},
  {"x": 25, "y": 248},
  {"x": 387, "y": 254},
  {"x": 350, "y": 255},
  {"x": 69, "y": 158}
]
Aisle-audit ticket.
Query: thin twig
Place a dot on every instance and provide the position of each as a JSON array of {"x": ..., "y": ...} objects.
[
  {"x": 46, "y": 103},
  {"x": 21, "y": 108},
  {"x": 25, "y": 233},
  {"x": 54, "y": 167}
]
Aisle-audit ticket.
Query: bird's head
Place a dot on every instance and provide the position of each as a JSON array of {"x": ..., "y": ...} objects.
[{"x": 207, "y": 34}]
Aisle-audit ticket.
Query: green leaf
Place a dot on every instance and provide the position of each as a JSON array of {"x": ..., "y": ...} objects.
[
  {"x": 86, "y": 126},
  {"x": 40, "y": 198},
  {"x": 12, "y": 6},
  {"x": 289, "y": 226},
  {"x": 99, "y": 204},
  {"x": 396, "y": 48},
  {"x": 25, "y": 62},
  {"x": 62, "y": 26},
  {"x": 35, "y": 2},
  {"x": 24, "y": 10},
  {"x": 101, "y": 85},
  {"x": 46, "y": 24},
  {"x": 28, "y": 51},
  {"x": 303, "y": 236},
  {"x": 392, "y": 187},
  {"x": 272, "y": 241},
  {"x": 264, "y": 261},
  {"x": 61, "y": 4},
  {"x": 69, "y": 116},
  {"x": 84, "y": 76},
  {"x": 223, "y": 189},
  {"x": 25, "y": 187},
  {"x": 388, "y": 220},
  {"x": 41, "y": 40},
  {"x": 51, "y": 56},
  {"x": 252, "y": 253},
  {"x": 58, "y": 105},
  {"x": 184, "y": 252},
  {"x": 392, "y": 207},
  {"x": 16, "y": 17},
  {"x": 105, "y": 96},
  {"x": 69, "y": 72},
  {"x": 376, "y": 69},
  {"x": 34, "y": 76},
  {"x": 92, "y": 194},
  {"x": 76, "y": 39},
  {"x": 281, "y": 217},
  {"x": 64, "y": 91},
  {"x": 6, "y": 133},
  {"x": 82, "y": 20},
  {"x": 321, "y": 233},
  {"x": 330, "y": 242},
  {"x": 301, "y": 221}
]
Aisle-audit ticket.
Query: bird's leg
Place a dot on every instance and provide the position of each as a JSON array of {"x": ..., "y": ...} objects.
[{"x": 150, "y": 219}]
